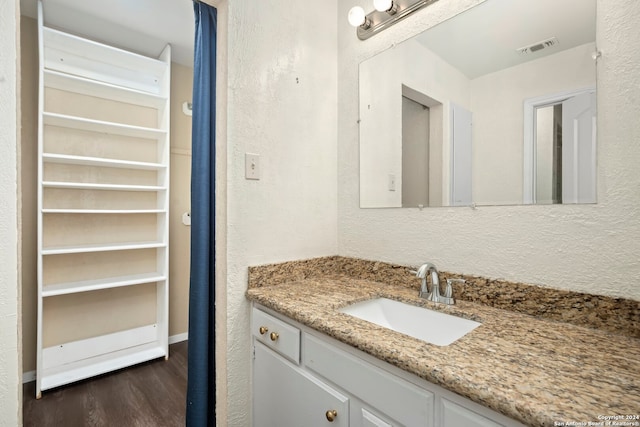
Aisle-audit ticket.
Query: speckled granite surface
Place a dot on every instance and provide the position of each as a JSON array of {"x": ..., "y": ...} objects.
[
  {"x": 536, "y": 371},
  {"x": 617, "y": 315}
]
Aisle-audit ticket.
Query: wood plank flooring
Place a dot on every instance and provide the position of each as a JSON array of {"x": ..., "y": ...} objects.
[{"x": 152, "y": 394}]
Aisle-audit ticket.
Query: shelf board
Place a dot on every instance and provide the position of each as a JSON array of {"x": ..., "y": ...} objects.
[
  {"x": 75, "y": 55},
  {"x": 99, "y": 89},
  {"x": 93, "y": 186},
  {"x": 97, "y": 284},
  {"x": 99, "y": 126},
  {"x": 76, "y": 360},
  {"x": 100, "y": 162},
  {"x": 103, "y": 211},
  {"x": 99, "y": 365},
  {"x": 134, "y": 60},
  {"x": 107, "y": 247}
]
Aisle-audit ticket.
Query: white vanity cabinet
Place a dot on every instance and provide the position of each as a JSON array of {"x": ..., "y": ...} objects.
[{"x": 300, "y": 377}]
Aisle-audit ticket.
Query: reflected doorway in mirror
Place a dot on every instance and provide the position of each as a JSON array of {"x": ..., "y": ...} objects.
[{"x": 560, "y": 148}]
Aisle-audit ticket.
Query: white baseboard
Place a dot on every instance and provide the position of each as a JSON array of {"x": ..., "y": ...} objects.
[
  {"x": 29, "y": 376},
  {"x": 178, "y": 338}
]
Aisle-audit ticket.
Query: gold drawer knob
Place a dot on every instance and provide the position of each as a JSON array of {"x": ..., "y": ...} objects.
[
  {"x": 263, "y": 330},
  {"x": 274, "y": 336},
  {"x": 331, "y": 415}
]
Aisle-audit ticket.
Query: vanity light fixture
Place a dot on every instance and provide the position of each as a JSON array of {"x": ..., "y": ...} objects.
[
  {"x": 357, "y": 17},
  {"x": 385, "y": 14},
  {"x": 388, "y": 6}
]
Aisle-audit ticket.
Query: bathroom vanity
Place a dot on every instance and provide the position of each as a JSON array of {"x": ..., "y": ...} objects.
[
  {"x": 315, "y": 365},
  {"x": 301, "y": 375}
]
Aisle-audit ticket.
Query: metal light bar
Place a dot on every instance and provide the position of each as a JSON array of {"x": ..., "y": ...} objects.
[{"x": 378, "y": 21}]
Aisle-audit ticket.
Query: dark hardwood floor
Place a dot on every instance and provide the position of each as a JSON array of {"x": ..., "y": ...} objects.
[{"x": 152, "y": 394}]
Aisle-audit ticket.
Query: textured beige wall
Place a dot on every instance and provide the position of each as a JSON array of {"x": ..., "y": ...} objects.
[
  {"x": 134, "y": 299},
  {"x": 590, "y": 248},
  {"x": 180, "y": 195},
  {"x": 10, "y": 295},
  {"x": 29, "y": 175},
  {"x": 282, "y": 97}
]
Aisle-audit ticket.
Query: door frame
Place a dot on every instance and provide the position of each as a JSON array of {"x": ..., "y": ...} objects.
[{"x": 530, "y": 135}]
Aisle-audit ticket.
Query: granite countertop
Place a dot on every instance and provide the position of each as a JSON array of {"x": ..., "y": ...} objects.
[{"x": 539, "y": 372}]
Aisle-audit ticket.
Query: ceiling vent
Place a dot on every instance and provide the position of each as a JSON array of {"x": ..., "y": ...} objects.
[{"x": 533, "y": 48}]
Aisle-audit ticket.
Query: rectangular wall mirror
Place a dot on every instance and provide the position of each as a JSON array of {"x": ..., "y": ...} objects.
[{"x": 495, "y": 106}]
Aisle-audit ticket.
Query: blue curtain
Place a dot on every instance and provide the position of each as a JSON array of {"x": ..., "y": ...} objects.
[{"x": 201, "y": 356}]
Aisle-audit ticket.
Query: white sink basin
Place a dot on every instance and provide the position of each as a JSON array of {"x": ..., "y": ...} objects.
[{"x": 427, "y": 325}]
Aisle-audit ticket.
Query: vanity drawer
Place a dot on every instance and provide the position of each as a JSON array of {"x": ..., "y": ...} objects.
[
  {"x": 393, "y": 396},
  {"x": 276, "y": 334}
]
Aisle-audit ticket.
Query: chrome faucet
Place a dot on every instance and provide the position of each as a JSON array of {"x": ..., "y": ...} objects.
[{"x": 433, "y": 295}]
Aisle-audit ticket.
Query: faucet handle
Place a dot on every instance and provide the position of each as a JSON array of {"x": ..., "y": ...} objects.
[
  {"x": 449, "y": 291},
  {"x": 413, "y": 272},
  {"x": 447, "y": 298}
]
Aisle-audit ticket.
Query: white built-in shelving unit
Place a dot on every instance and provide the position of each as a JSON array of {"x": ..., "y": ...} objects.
[{"x": 103, "y": 206}]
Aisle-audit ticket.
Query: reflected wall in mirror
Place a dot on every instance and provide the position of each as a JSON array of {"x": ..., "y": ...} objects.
[{"x": 495, "y": 106}]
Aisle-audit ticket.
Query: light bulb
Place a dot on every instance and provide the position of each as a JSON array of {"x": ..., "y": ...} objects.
[
  {"x": 382, "y": 5},
  {"x": 356, "y": 16}
]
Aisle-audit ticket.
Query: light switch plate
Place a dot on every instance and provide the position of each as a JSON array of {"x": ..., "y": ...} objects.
[
  {"x": 392, "y": 182},
  {"x": 251, "y": 166}
]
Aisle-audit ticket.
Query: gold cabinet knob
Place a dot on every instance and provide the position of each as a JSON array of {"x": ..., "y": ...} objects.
[
  {"x": 331, "y": 415},
  {"x": 274, "y": 336},
  {"x": 263, "y": 330}
]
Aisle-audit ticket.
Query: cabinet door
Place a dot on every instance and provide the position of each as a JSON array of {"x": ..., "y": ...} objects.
[
  {"x": 371, "y": 420},
  {"x": 454, "y": 415},
  {"x": 286, "y": 396}
]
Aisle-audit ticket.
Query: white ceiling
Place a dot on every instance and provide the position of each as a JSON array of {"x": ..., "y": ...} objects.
[
  {"x": 484, "y": 39},
  {"x": 143, "y": 26}
]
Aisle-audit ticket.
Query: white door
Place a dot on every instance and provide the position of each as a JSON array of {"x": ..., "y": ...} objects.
[
  {"x": 461, "y": 169},
  {"x": 286, "y": 396},
  {"x": 579, "y": 149}
]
